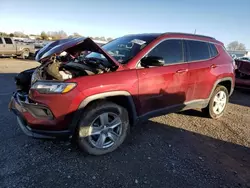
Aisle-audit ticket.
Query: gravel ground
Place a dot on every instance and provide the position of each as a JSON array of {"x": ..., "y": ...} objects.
[{"x": 177, "y": 150}]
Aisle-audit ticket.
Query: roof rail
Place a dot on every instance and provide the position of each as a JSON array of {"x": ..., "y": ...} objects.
[{"x": 190, "y": 34}]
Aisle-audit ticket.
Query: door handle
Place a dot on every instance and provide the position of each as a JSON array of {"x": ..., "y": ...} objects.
[
  {"x": 182, "y": 71},
  {"x": 213, "y": 66}
]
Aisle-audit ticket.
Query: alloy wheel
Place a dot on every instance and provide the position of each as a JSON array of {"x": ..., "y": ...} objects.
[
  {"x": 105, "y": 130},
  {"x": 219, "y": 103}
]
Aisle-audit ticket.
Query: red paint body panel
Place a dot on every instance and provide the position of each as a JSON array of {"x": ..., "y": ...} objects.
[
  {"x": 161, "y": 87},
  {"x": 204, "y": 74}
]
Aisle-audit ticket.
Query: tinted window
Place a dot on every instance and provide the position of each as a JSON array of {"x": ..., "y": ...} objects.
[
  {"x": 1, "y": 41},
  {"x": 170, "y": 50},
  {"x": 8, "y": 40},
  {"x": 198, "y": 50},
  {"x": 213, "y": 50}
]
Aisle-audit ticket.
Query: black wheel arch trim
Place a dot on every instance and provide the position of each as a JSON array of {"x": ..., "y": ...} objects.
[
  {"x": 86, "y": 101},
  {"x": 218, "y": 82}
]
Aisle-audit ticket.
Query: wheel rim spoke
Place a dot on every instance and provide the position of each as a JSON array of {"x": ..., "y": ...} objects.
[
  {"x": 216, "y": 99},
  {"x": 116, "y": 122},
  {"x": 104, "y": 119},
  {"x": 95, "y": 130},
  {"x": 220, "y": 95},
  {"x": 101, "y": 140},
  {"x": 216, "y": 108},
  {"x": 113, "y": 136},
  {"x": 220, "y": 108}
]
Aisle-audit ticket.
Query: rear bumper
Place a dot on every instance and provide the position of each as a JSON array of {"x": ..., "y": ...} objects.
[{"x": 38, "y": 113}]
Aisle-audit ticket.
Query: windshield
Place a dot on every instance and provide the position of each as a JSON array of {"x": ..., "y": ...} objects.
[{"x": 124, "y": 48}]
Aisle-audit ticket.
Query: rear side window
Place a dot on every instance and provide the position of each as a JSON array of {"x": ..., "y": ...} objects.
[
  {"x": 8, "y": 40},
  {"x": 198, "y": 50},
  {"x": 213, "y": 50},
  {"x": 1, "y": 41},
  {"x": 171, "y": 50}
]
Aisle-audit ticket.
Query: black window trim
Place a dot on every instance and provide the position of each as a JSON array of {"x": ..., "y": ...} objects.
[
  {"x": 185, "y": 51},
  {"x": 1, "y": 40},
  {"x": 211, "y": 50},
  {"x": 208, "y": 50},
  {"x": 7, "y": 38}
]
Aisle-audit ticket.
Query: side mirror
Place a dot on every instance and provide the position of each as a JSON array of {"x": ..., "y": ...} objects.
[{"x": 152, "y": 61}]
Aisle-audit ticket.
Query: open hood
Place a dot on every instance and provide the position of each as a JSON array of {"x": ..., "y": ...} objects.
[{"x": 72, "y": 45}]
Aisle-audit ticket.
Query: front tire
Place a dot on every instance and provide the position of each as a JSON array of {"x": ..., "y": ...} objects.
[
  {"x": 102, "y": 128},
  {"x": 217, "y": 103}
]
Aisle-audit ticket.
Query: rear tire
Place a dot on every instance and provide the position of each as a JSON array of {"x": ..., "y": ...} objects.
[
  {"x": 217, "y": 103},
  {"x": 102, "y": 128},
  {"x": 25, "y": 54}
]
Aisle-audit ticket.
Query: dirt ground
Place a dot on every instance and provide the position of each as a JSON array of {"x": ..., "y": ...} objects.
[{"x": 177, "y": 150}]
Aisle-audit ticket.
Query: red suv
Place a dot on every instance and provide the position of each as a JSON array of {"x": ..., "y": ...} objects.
[{"x": 95, "y": 98}]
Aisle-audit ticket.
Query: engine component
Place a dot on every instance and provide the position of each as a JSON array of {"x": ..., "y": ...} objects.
[
  {"x": 53, "y": 70},
  {"x": 65, "y": 75}
]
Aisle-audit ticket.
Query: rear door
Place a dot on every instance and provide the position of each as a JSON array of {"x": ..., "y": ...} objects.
[
  {"x": 201, "y": 56},
  {"x": 9, "y": 46},
  {"x": 163, "y": 88}
]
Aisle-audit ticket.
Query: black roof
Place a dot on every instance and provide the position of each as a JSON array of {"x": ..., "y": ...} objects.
[
  {"x": 171, "y": 33},
  {"x": 190, "y": 34},
  {"x": 146, "y": 34}
]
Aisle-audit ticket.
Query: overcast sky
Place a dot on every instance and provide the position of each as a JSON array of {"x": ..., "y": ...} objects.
[{"x": 226, "y": 20}]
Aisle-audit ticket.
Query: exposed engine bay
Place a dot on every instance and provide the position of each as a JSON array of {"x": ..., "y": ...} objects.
[{"x": 63, "y": 68}]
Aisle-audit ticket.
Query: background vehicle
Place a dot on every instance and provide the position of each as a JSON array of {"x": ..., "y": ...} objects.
[
  {"x": 9, "y": 47},
  {"x": 243, "y": 72},
  {"x": 244, "y": 59},
  {"x": 130, "y": 79}
]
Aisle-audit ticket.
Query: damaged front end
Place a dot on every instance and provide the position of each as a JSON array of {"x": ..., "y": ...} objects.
[{"x": 65, "y": 59}]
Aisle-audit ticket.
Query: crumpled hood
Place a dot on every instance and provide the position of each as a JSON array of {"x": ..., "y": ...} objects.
[{"x": 71, "y": 45}]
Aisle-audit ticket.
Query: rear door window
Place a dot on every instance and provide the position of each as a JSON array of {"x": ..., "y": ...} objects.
[
  {"x": 8, "y": 41},
  {"x": 171, "y": 50},
  {"x": 197, "y": 50},
  {"x": 1, "y": 41}
]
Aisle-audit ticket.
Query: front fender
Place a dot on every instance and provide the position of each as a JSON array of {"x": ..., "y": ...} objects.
[{"x": 98, "y": 96}]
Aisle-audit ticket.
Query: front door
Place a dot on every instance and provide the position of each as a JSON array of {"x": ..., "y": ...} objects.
[
  {"x": 9, "y": 47},
  {"x": 164, "y": 88}
]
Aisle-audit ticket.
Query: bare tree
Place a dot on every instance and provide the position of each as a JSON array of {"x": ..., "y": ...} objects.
[
  {"x": 97, "y": 38},
  {"x": 109, "y": 39},
  {"x": 235, "y": 45},
  {"x": 77, "y": 35},
  {"x": 102, "y": 38},
  {"x": 55, "y": 35},
  {"x": 3, "y": 34},
  {"x": 19, "y": 34},
  {"x": 74, "y": 35},
  {"x": 44, "y": 36}
]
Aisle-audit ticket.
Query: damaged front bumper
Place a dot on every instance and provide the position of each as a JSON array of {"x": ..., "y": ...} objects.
[{"x": 26, "y": 112}]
